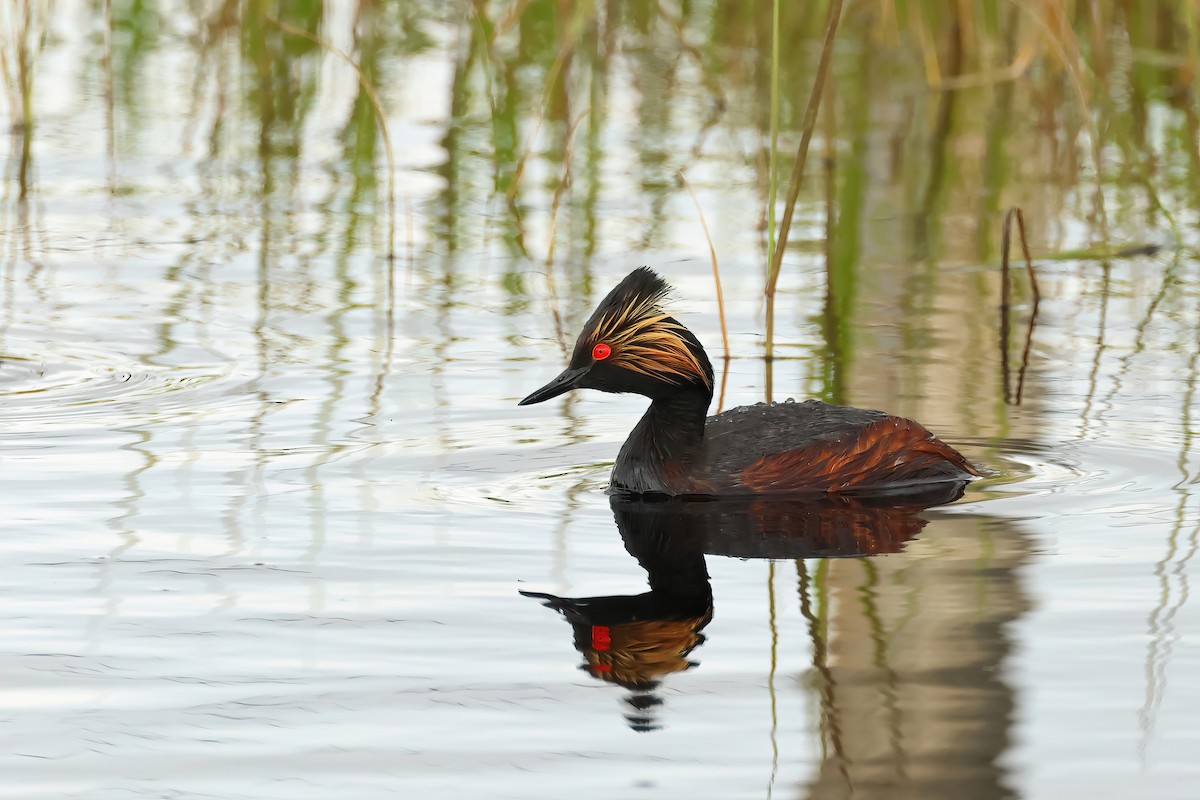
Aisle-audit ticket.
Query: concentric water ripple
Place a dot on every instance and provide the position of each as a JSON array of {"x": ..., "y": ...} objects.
[{"x": 93, "y": 386}]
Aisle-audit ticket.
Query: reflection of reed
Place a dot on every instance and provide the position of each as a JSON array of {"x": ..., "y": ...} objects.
[
  {"x": 997, "y": 164},
  {"x": 939, "y": 153},
  {"x": 1169, "y": 287},
  {"x": 367, "y": 97},
  {"x": 1011, "y": 396},
  {"x": 24, "y": 24},
  {"x": 774, "y": 626},
  {"x": 1086, "y": 417},
  {"x": 818, "y": 631},
  {"x": 1160, "y": 623},
  {"x": 869, "y": 592},
  {"x": 908, "y": 658}
]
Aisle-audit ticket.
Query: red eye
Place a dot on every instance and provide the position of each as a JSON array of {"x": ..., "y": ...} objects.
[{"x": 601, "y": 351}]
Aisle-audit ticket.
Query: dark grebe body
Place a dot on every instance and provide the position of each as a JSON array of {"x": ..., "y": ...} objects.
[{"x": 631, "y": 345}]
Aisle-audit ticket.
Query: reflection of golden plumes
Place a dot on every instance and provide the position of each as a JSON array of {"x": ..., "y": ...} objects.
[{"x": 637, "y": 654}]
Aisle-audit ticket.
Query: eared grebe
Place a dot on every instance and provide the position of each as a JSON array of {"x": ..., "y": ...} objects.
[{"x": 631, "y": 345}]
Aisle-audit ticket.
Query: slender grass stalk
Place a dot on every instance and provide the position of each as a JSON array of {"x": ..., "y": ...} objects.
[
  {"x": 1006, "y": 305},
  {"x": 1033, "y": 284},
  {"x": 712, "y": 251},
  {"x": 773, "y": 163},
  {"x": 810, "y": 123},
  {"x": 1099, "y": 25},
  {"x": 1191, "y": 17},
  {"x": 933, "y": 70},
  {"x": 1037, "y": 298},
  {"x": 888, "y": 23},
  {"x": 373, "y": 98}
]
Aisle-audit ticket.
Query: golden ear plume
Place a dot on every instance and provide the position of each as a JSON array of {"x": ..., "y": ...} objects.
[{"x": 643, "y": 337}]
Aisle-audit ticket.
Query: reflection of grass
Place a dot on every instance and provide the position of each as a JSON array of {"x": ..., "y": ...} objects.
[
  {"x": 21, "y": 39},
  {"x": 380, "y": 117},
  {"x": 561, "y": 59}
]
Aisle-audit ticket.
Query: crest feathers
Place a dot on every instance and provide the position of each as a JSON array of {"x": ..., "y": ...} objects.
[{"x": 644, "y": 338}]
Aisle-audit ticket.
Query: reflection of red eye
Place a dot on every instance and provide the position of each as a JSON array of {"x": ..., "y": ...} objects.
[
  {"x": 601, "y": 637},
  {"x": 601, "y": 351}
]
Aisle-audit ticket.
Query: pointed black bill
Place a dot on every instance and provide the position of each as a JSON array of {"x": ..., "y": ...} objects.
[{"x": 565, "y": 382}]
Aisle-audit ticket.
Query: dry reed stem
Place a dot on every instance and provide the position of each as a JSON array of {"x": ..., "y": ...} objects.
[
  {"x": 724, "y": 381},
  {"x": 712, "y": 251},
  {"x": 373, "y": 98},
  {"x": 1033, "y": 284},
  {"x": 797, "y": 178},
  {"x": 1037, "y": 298},
  {"x": 1099, "y": 45},
  {"x": 933, "y": 71},
  {"x": 1006, "y": 305},
  {"x": 888, "y": 22},
  {"x": 1005, "y": 246},
  {"x": 720, "y": 294},
  {"x": 773, "y": 166}
]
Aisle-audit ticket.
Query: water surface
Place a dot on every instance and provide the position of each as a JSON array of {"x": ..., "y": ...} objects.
[{"x": 270, "y": 502}]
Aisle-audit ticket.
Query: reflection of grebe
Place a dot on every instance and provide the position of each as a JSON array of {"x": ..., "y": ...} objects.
[
  {"x": 630, "y": 652},
  {"x": 631, "y": 345},
  {"x": 635, "y": 641}
]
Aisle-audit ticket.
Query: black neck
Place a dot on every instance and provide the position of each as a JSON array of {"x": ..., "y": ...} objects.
[{"x": 671, "y": 430}]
